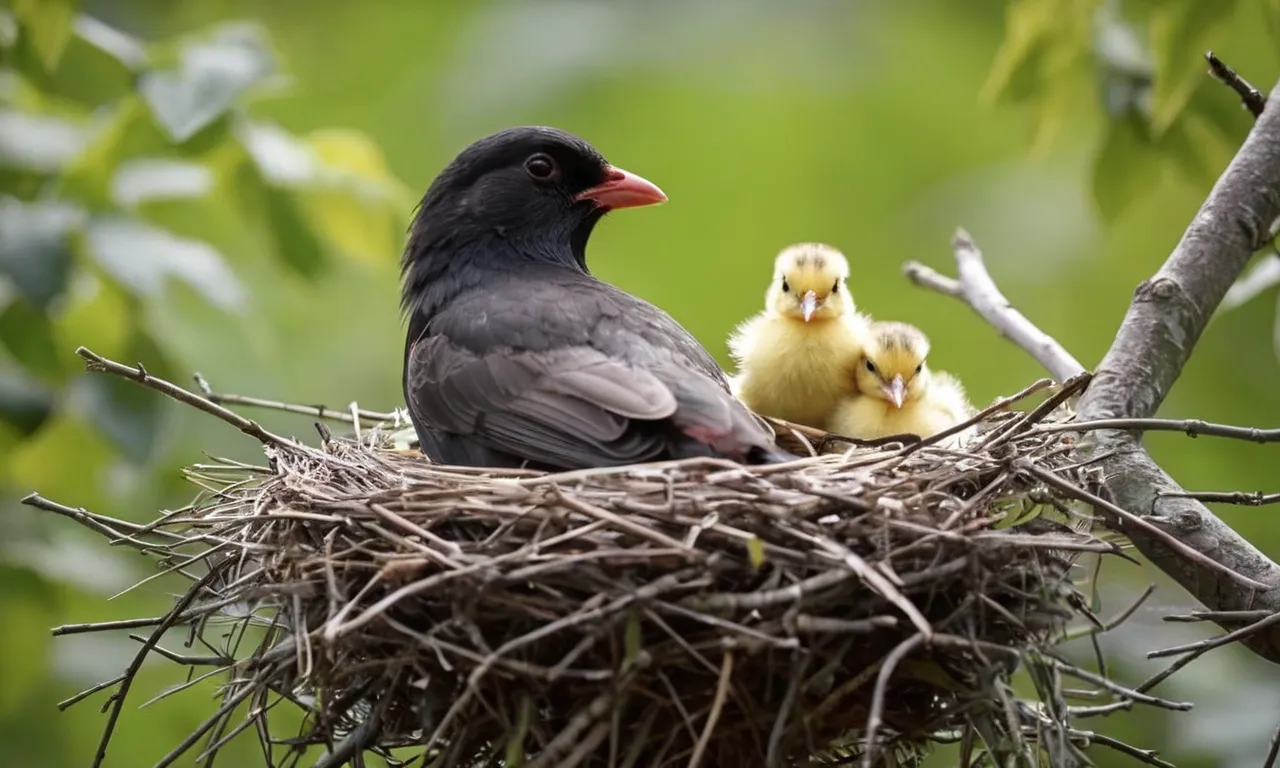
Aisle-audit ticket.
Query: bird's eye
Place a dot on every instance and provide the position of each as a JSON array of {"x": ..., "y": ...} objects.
[
  {"x": 835, "y": 287},
  {"x": 871, "y": 367},
  {"x": 540, "y": 167},
  {"x": 785, "y": 288},
  {"x": 919, "y": 368}
]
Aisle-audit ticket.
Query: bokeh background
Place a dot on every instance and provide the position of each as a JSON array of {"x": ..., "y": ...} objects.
[{"x": 222, "y": 186}]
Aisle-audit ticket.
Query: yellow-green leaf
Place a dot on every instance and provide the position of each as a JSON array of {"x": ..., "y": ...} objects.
[
  {"x": 48, "y": 23},
  {"x": 516, "y": 738},
  {"x": 755, "y": 551},
  {"x": 357, "y": 205},
  {"x": 1028, "y": 25},
  {"x": 631, "y": 639},
  {"x": 1128, "y": 165},
  {"x": 350, "y": 151},
  {"x": 1180, "y": 32}
]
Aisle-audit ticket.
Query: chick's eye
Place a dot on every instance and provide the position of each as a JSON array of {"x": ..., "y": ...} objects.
[
  {"x": 540, "y": 167},
  {"x": 835, "y": 287},
  {"x": 871, "y": 367},
  {"x": 785, "y": 288},
  {"x": 919, "y": 368}
]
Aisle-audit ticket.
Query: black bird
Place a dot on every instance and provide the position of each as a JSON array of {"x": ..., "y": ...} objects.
[{"x": 516, "y": 355}]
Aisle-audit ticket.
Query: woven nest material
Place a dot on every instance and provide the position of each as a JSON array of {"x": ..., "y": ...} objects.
[{"x": 858, "y": 605}]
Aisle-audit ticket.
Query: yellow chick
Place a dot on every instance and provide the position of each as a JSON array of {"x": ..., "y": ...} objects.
[
  {"x": 897, "y": 393},
  {"x": 796, "y": 357}
]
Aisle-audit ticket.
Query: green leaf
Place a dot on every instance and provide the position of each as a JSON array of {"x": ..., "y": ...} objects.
[
  {"x": 111, "y": 41},
  {"x": 28, "y": 335},
  {"x": 1180, "y": 32},
  {"x": 515, "y": 739},
  {"x": 1261, "y": 277},
  {"x": 35, "y": 247},
  {"x": 210, "y": 76},
  {"x": 1029, "y": 24},
  {"x": 38, "y": 143},
  {"x": 356, "y": 204},
  {"x": 48, "y": 23},
  {"x": 125, "y": 130},
  {"x": 279, "y": 212},
  {"x": 149, "y": 179},
  {"x": 1127, "y": 166},
  {"x": 126, "y": 413},
  {"x": 141, "y": 257},
  {"x": 755, "y": 552},
  {"x": 25, "y": 404},
  {"x": 632, "y": 642}
]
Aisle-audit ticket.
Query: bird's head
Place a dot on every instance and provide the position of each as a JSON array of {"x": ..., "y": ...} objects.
[
  {"x": 809, "y": 283},
  {"x": 893, "y": 365},
  {"x": 538, "y": 191}
]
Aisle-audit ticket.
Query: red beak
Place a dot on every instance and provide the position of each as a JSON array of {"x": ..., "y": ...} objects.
[{"x": 622, "y": 189}]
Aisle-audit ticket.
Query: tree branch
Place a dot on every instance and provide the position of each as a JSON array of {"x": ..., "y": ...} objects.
[
  {"x": 1166, "y": 318},
  {"x": 1251, "y": 97},
  {"x": 976, "y": 288}
]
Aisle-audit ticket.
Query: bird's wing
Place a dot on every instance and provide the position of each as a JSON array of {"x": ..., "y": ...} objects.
[{"x": 570, "y": 406}]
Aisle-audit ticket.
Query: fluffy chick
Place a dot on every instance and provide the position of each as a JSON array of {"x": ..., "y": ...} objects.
[
  {"x": 896, "y": 392},
  {"x": 794, "y": 358}
]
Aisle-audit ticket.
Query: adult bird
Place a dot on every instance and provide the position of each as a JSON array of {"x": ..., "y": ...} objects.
[{"x": 516, "y": 355}]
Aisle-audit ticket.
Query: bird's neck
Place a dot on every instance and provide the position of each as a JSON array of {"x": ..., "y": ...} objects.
[{"x": 434, "y": 276}]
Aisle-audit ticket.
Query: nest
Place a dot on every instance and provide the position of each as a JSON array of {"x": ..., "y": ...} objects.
[{"x": 859, "y": 605}]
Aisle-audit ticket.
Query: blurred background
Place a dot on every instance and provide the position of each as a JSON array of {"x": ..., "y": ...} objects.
[{"x": 222, "y": 187}]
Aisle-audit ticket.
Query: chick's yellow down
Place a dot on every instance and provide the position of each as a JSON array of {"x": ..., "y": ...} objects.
[
  {"x": 795, "y": 359},
  {"x": 896, "y": 392}
]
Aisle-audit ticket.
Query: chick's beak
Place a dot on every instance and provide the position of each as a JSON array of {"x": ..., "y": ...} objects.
[
  {"x": 895, "y": 390},
  {"x": 809, "y": 305},
  {"x": 622, "y": 189}
]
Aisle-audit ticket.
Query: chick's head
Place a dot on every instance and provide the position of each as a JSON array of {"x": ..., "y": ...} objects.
[
  {"x": 809, "y": 283},
  {"x": 893, "y": 365}
]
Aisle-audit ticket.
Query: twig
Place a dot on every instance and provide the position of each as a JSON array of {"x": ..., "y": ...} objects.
[
  {"x": 979, "y": 291},
  {"x": 1135, "y": 694},
  {"x": 1273, "y": 751},
  {"x": 1250, "y": 97},
  {"x": 314, "y": 411},
  {"x": 717, "y": 705},
  {"x": 1138, "y": 522},
  {"x": 1242, "y": 498},
  {"x": 131, "y": 672},
  {"x": 98, "y": 363},
  {"x": 882, "y": 685},
  {"x": 1201, "y": 647},
  {"x": 1147, "y": 756},
  {"x": 1189, "y": 427}
]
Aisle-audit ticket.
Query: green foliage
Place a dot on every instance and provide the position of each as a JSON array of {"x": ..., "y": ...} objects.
[
  {"x": 92, "y": 180},
  {"x": 132, "y": 173},
  {"x": 1142, "y": 62}
]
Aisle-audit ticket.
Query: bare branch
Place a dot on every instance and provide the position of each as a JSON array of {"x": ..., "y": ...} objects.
[
  {"x": 1189, "y": 427},
  {"x": 976, "y": 288},
  {"x": 314, "y": 411},
  {"x": 1170, "y": 311},
  {"x": 1242, "y": 498},
  {"x": 1166, "y": 318},
  {"x": 1251, "y": 98},
  {"x": 95, "y": 362}
]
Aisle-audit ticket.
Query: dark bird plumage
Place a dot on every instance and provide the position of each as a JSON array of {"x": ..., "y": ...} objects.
[{"x": 517, "y": 355}]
